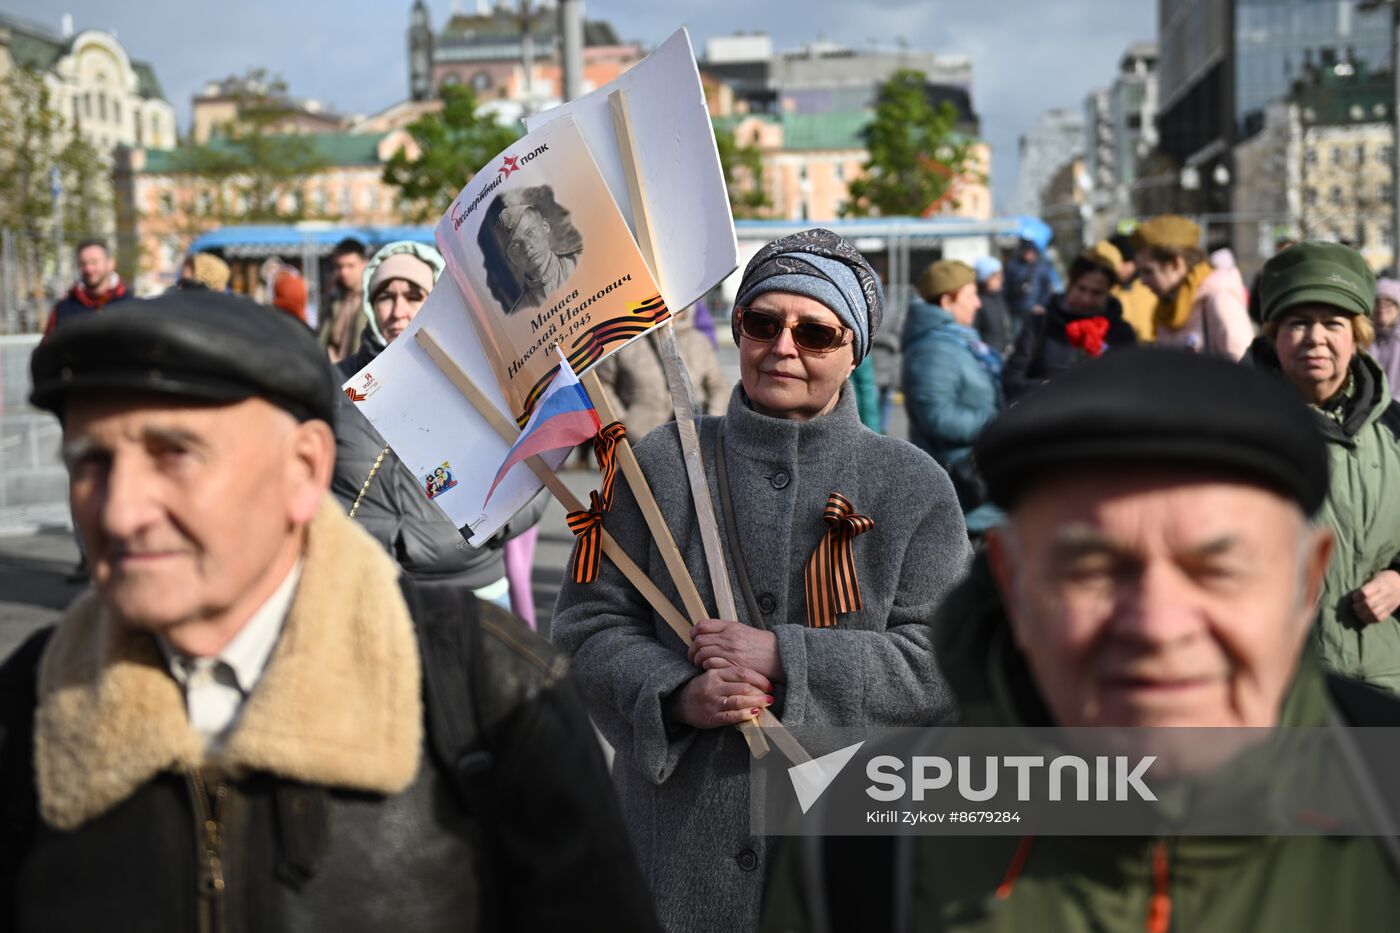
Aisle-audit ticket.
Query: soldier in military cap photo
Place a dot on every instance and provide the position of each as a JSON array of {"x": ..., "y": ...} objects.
[{"x": 251, "y": 722}]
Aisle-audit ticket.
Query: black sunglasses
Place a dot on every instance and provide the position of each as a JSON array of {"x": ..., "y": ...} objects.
[{"x": 812, "y": 336}]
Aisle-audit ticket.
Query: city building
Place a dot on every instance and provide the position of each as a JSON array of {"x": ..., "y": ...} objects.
[
  {"x": 1055, "y": 141},
  {"x": 220, "y": 103},
  {"x": 103, "y": 94},
  {"x": 825, "y": 77},
  {"x": 161, "y": 207},
  {"x": 1319, "y": 167},
  {"x": 1120, "y": 132},
  {"x": 487, "y": 50},
  {"x": 1224, "y": 61},
  {"x": 807, "y": 110},
  {"x": 809, "y": 161}
]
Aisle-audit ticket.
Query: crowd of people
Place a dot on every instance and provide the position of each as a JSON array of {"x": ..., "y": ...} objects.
[{"x": 294, "y": 699}]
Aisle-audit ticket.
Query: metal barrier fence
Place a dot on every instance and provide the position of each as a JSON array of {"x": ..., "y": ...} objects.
[{"x": 33, "y": 482}]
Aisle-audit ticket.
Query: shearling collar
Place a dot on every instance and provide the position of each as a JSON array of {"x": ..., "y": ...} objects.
[{"x": 338, "y": 705}]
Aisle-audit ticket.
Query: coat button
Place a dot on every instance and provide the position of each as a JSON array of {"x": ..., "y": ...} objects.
[
  {"x": 747, "y": 859},
  {"x": 766, "y": 603},
  {"x": 780, "y": 479}
]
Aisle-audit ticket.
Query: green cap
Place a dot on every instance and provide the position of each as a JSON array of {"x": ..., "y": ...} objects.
[{"x": 1317, "y": 273}]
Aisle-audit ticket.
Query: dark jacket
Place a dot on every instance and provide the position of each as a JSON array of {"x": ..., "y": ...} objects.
[
  {"x": 1043, "y": 349},
  {"x": 394, "y": 509},
  {"x": 1029, "y": 285},
  {"x": 994, "y": 321},
  {"x": 1094, "y": 883},
  {"x": 1363, "y": 508},
  {"x": 411, "y": 759},
  {"x": 80, "y": 301}
]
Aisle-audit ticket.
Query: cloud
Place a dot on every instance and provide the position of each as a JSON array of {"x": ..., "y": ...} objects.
[{"x": 1027, "y": 55}]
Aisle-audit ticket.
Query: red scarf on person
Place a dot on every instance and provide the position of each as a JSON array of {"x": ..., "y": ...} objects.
[{"x": 112, "y": 289}]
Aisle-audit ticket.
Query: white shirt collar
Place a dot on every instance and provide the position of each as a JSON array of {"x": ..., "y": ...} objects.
[{"x": 247, "y": 653}]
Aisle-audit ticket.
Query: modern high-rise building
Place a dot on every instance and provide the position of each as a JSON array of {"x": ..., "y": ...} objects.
[
  {"x": 1224, "y": 61},
  {"x": 1049, "y": 146}
]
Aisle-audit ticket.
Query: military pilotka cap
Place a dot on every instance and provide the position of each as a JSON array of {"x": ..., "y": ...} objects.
[
  {"x": 1158, "y": 407},
  {"x": 188, "y": 344},
  {"x": 1168, "y": 230},
  {"x": 944, "y": 277},
  {"x": 1317, "y": 273}
]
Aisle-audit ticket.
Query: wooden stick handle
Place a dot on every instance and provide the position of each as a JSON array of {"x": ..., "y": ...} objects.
[
  {"x": 758, "y": 745},
  {"x": 656, "y": 522},
  {"x": 641, "y": 220},
  {"x": 508, "y": 432}
]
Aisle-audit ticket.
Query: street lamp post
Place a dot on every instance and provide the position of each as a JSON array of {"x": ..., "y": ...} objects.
[{"x": 56, "y": 189}]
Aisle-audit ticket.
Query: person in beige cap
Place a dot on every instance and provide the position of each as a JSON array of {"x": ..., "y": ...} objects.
[
  {"x": 952, "y": 379},
  {"x": 1199, "y": 308},
  {"x": 204, "y": 270},
  {"x": 1083, "y": 322}
]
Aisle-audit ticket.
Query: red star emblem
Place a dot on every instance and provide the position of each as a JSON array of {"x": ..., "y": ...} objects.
[{"x": 510, "y": 164}]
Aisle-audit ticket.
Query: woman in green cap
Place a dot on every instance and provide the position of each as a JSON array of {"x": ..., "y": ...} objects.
[{"x": 1316, "y": 300}]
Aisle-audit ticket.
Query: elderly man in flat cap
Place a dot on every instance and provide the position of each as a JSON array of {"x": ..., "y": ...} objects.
[
  {"x": 1316, "y": 300},
  {"x": 1160, "y": 568},
  {"x": 251, "y": 723}
]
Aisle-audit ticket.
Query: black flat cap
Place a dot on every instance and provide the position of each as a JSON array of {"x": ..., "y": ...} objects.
[
  {"x": 190, "y": 344},
  {"x": 1154, "y": 406}
]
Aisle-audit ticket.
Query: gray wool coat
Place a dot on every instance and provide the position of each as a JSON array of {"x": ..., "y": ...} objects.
[{"x": 685, "y": 792}]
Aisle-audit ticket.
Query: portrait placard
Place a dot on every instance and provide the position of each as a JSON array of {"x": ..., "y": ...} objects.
[{"x": 540, "y": 251}]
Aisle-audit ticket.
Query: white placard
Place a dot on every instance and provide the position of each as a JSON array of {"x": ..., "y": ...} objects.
[
  {"x": 682, "y": 182},
  {"x": 432, "y": 427}
]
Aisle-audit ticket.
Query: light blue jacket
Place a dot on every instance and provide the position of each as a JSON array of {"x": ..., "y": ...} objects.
[{"x": 948, "y": 395}]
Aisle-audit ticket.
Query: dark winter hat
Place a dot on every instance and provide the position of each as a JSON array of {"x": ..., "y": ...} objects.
[
  {"x": 822, "y": 266},
  {"x": 1317, "y": 273},
  {"x": 189, "y": 344},
  {"x": 1162, "y": 407}
]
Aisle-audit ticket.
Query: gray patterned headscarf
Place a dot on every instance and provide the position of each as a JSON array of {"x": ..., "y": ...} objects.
[{"x": 820, "y": 265}]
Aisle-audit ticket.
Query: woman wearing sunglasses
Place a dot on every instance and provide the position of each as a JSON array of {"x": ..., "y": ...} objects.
[{"x": 840, "y": 542}]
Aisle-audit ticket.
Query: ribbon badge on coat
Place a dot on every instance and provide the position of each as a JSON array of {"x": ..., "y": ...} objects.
[
  {"x": 830, "y": 576},
  {"x": 587, "y": 524}
]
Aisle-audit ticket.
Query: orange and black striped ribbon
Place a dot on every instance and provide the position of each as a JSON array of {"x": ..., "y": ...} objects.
[
  {"x": 587, "y": 524},
  {"x": 605, "y": 449},
  {"x": 830, "y": 577}
]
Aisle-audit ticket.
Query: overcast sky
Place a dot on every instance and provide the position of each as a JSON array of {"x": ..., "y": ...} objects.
[{"x": 1028, "y": 55}]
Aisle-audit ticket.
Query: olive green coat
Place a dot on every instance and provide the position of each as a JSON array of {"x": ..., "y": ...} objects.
[
  {"x": 1083, "y": 884},
  {"x": 1363, "y": 510}
]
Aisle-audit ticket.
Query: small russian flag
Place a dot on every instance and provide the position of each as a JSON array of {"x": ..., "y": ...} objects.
[{"x": 565, "y": 417}]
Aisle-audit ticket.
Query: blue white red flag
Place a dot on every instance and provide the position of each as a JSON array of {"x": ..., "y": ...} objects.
[{"x": 563, "y": 418}]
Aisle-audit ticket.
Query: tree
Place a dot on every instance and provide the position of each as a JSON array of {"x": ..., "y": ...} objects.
[
  {"x": 34, "y": 142},
  {"x": 453, "y": 145},
  {"x": 916, "y": 153},
  {"x": 743, "y": 175},
  {"x": 251, "y": 164}
]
